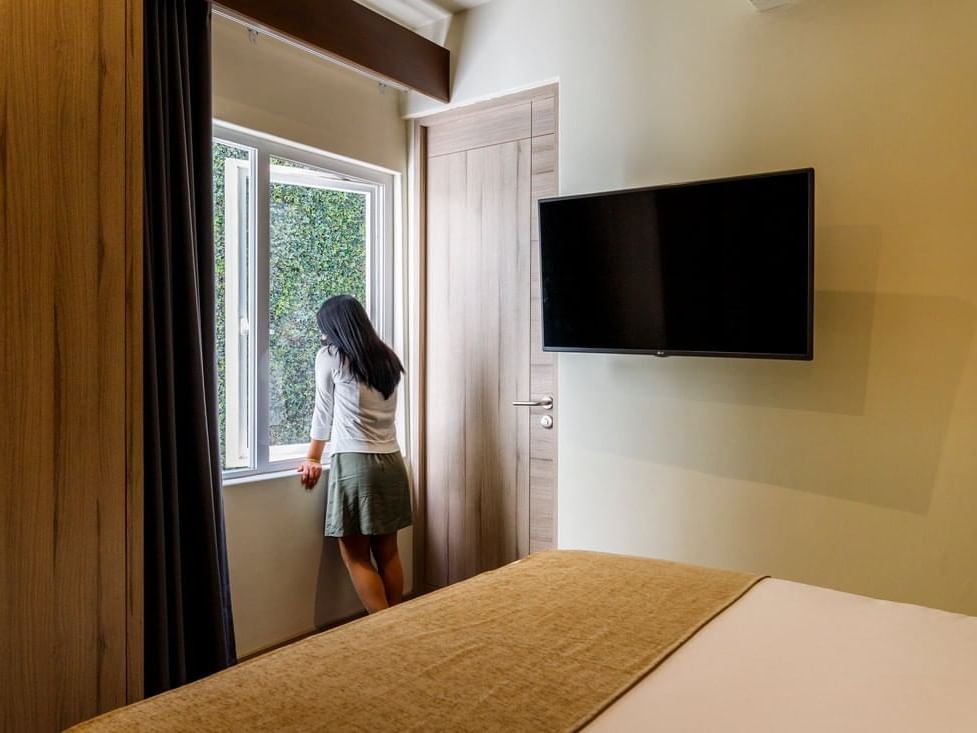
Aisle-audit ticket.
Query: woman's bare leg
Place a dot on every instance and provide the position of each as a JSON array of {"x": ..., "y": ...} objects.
[
  {"x": 388, "y": 561},
  {"x": 355, "y": 551}
]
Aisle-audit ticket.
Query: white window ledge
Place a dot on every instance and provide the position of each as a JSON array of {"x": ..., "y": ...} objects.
[{"x": 270, "y": 476}]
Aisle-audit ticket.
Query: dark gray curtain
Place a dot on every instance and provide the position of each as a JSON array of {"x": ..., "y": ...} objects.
[{"x": 188, "y": 628}]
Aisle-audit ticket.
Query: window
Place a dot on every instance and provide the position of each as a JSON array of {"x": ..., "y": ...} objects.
[{"x": 292, "y": 227}]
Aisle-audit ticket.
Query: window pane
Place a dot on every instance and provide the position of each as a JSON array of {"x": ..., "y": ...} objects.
[
  {"x": 318, "y": 243},
  {"x": 233, "y": 202}
]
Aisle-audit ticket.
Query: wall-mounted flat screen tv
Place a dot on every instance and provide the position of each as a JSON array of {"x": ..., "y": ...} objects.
[{"x": 711, "y": 268}]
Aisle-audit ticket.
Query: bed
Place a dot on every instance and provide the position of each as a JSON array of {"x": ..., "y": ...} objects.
[{"x": 568, "y": 640}]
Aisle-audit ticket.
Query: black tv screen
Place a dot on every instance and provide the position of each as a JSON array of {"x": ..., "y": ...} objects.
[{"x": 711, "y": 268}]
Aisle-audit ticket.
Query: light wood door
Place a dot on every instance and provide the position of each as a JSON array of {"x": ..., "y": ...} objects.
[{"x": 490, "y": 479}]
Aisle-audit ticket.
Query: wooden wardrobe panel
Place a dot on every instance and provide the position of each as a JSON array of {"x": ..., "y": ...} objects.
[
  {"x": 544, "y": 184},
  {"x": 65, "y": 232},
  {"x": 544, "y": 115},
  {"x": 482, "y": 317},
  {"x": 497, "y": 345},
  {"x": 134, "y": 346},
  {"x": 544, "y": 380},
  {"x": 489, "y": 127},
  {"x": 544, "y": 157},
  {"x": 520, "y": 344},
  {"x": 542, "y": 510},
  {"x": 445, "y": 408},
  {"x": 485, "y": 172},
  {"x": 477, "y": 359}
]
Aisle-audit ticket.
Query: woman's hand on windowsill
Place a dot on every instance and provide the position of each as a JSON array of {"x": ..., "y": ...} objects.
[{"x": 309, "y": 472}]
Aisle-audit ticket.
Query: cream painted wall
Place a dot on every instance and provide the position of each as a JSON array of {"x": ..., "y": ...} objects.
[
  {"x": 857, "y": 471},
  {"x": 277, "y": 88},
  {"x": 286, "y": 578}
]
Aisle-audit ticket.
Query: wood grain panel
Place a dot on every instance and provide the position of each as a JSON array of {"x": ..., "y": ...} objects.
[
  {"x": 492, "y": 127},
  {"x": 542, "y": 441},
  {"x": 482, "y": 335},
  {"x": 542, "y": 516},
  {"x": 517, "y": 353},
  {"x": 544, "y": 184},
  {"x": 502, "y": 175},
  {"x": 544, "y": 161},
  {"x": 543, "y": 376},
  {"x": 69, "y": 131},
  {"x": 460, "y": 537},
  {"x": 537, "y": 355},
  {"x": 102, "y": 376},
  {"x": 435, "y": 366},
  {"x": 544, "y": 379},
  {"x": 482, "y": 263},
  {"x": 475, "y": 109},
  {"x": 488, "y": 265},
  {"x": 415, "y": 345},
  {"x": 544, "y": 115},
  {"x": 28, "y": 637},
  {"x": 446, "y": 400},
  {"x": 134, "y": 345}
]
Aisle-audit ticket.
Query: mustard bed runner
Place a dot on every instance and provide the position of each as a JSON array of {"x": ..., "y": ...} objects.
[{"x": 543, "y": 644}]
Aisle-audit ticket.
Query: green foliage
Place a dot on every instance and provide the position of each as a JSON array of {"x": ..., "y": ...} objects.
[{"x": 317, "y": 250}]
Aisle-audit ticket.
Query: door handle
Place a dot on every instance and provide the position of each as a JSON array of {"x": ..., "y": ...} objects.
[{"x": 546, "y": 402}]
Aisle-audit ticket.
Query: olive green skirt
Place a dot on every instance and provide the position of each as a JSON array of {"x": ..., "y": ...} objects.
[{"x": 367, "y": 493}]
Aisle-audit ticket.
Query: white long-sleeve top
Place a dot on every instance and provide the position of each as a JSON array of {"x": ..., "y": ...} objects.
[{"x": 351, "y": 417}]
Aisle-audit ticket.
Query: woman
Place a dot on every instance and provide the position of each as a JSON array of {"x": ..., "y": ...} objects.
[{"x": 368, "y": 497}]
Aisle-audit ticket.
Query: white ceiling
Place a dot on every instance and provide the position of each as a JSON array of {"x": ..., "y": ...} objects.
[
  {"x": 456, "y": 6},
  {"x": 419, "y": 13},
  {"x": 416, "y": 14}
]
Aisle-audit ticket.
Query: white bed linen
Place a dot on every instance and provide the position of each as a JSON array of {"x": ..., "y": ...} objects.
[{"x": 795, "y": 658}]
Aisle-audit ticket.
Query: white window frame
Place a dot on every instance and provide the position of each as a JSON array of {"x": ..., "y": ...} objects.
[
  {"x": 239, "y": 434},
  {"x": 334, "y": 172}
]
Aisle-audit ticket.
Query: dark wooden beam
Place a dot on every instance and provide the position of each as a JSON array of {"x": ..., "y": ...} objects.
[{"x": 356, "y": 35}]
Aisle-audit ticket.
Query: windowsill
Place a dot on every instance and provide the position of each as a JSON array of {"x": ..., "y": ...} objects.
[
  {"x": 275, "y": 475},
  {"x": 270, "y": 476}
]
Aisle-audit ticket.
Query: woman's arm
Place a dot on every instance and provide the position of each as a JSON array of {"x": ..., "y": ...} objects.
[{"x": 311, "y": 468}]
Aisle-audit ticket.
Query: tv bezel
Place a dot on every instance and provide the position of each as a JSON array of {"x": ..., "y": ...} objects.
[{"x": 806, "y": 356}]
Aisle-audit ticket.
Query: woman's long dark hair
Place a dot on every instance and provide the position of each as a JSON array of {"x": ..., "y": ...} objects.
[{"x": 347, "y": 329}]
